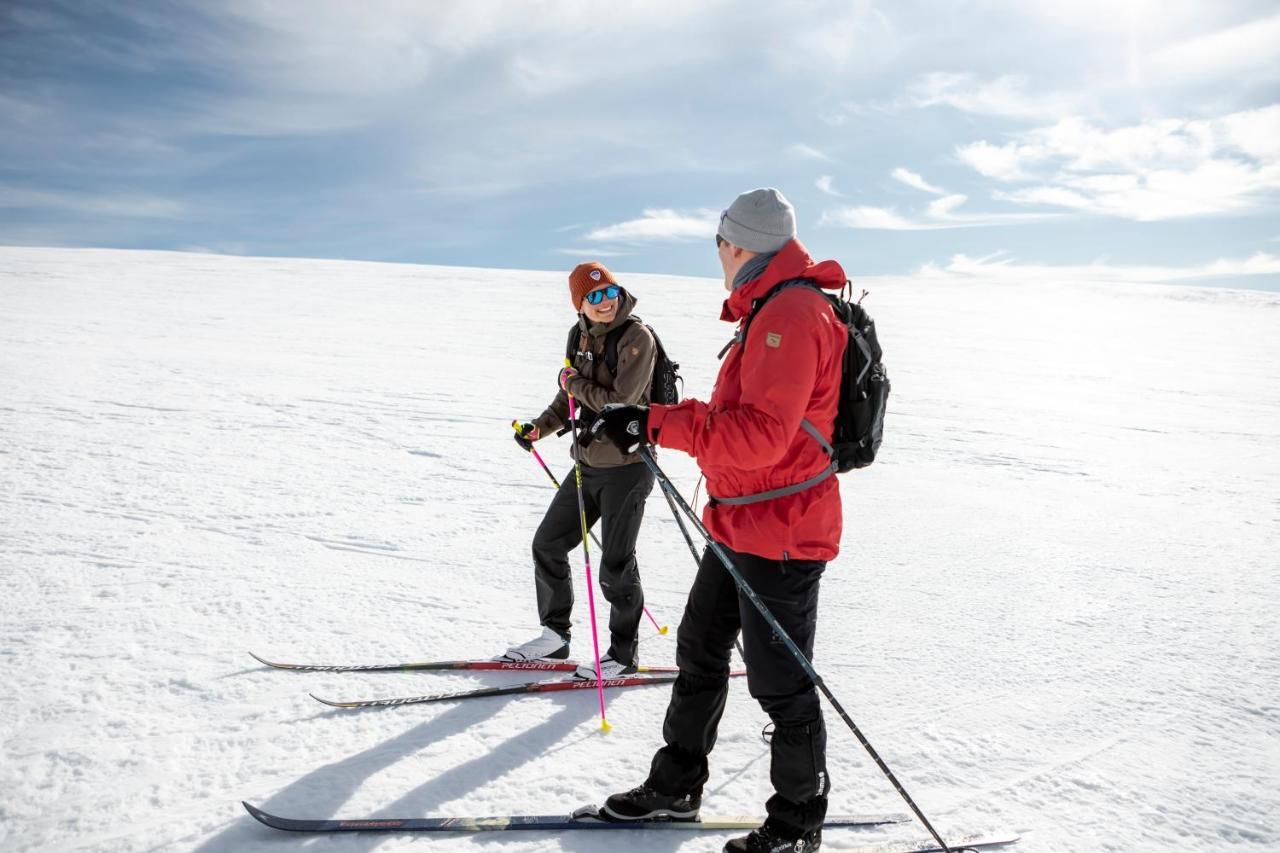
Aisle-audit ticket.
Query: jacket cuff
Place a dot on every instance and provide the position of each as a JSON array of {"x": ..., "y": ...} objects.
[
  {"x": 574, "y": 381},
  {"x": 547, "y": 423},
  {"x": 657, "y": 414}
]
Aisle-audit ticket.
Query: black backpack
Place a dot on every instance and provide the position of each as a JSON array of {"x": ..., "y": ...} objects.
[
  {"x": 864, "y": 385},
  {"x": 666, "y": 373}
]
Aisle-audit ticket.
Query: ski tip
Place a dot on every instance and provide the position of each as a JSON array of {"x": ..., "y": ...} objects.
[
  {"x": 254, "y": 812},
  {"x": 262, "y": 661},
  {"x": 329, "y": 702},
  {"x": 267, "y": 819}
]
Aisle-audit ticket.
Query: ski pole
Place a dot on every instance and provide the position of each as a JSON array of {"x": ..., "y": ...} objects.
[
  {"x": 795, "y": 650},
  {"x": 586, "y": 556},
  {"x": 697, "y": 558},
  {"x": 662, "y": 629}
]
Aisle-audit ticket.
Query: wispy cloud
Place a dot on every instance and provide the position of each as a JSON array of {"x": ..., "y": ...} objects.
[
  {"x": 824, "y": 185},
  {"x": 591, "y": 252},
  {"x": 1159, "y": 169},
  {"x": 912, "y": 179},
  {"x": 940, "y": 214},
  {"x": 659, "y": 226},
  {"x": 873, "y": 218},
  {"x": 1004, "y": 96},
  {"x": 808, "y": 152},
  {"x": 999, "y": 266},
  {"x": 1248, "y": 47},
  {"x": 91, "y": 204},
  {"x": 434, "y": 132}
]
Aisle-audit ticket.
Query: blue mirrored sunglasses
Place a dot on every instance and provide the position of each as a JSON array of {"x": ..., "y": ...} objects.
[{"x": 595, "y": 297}]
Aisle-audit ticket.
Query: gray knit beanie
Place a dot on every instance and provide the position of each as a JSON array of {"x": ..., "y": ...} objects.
[{"x": 759, "y": 221}]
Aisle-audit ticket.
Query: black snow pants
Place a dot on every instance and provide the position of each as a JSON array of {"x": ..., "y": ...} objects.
[
  {"x": 712, "y": 618},
  {"x": 616, "y": 497}
]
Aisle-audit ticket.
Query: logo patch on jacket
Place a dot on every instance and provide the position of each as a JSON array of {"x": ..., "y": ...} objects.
[{"x": 773, "y": 339}]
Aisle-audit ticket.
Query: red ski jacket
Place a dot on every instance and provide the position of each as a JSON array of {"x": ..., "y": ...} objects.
[{"x": 748, "y": 438}]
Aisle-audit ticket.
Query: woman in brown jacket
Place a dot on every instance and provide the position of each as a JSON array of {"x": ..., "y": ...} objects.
[{"x": 614, "y": 484}]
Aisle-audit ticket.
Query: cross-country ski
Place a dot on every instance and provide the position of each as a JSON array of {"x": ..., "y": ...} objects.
[
  {"x": 478, "y": 665},
  {"x": 586, "y": 818},
  {"x": 528, "y": 687}
]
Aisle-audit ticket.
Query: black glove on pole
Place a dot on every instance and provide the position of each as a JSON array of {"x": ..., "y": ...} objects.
[{"x": 626, "y": 426}]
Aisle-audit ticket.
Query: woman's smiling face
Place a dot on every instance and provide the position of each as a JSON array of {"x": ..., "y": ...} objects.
[{"x": 607, "y": 308}]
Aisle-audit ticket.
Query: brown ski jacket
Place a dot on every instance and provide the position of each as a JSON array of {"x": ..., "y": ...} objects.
[{"x": 595, "y": 386}]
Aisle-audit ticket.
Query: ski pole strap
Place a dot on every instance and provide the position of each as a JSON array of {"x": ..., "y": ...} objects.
[{"x": 795, "y": 487}]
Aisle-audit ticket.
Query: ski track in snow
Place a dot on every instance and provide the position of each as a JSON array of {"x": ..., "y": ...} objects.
[{"x": 1055, "y": 610}]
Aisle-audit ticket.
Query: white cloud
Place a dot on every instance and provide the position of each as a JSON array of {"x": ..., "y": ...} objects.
[
  {"x": 941, "y": 213},
  {"x": 808, "y": 152},
  {"x": 1248, "y": 47},
  {"x": 1218, "y": 186},
  {"x": 912, "y": 179},
  {"x": 1004, "y": 96},
  {"x": 592, "y": 252},
  {"x": 659, "y": 226},
  {"x": 837, "y": 36},
  {"x": 942, "y": 208},
  {"x": 874, "y": 218},
  {"x": 824, "y": 185},
  {"x": 999, "y": 267},
  {"x": 1159, "y": 169},
  {"x": 89, "y": 204},
  {"x": 1002, "y": 162},
  {"x": 1253, "y": 132},
  {"x": 1119, "y": 17}
]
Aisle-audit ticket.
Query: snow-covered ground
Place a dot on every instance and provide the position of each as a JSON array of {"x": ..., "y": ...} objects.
[{"x": 1056, "y": 609}]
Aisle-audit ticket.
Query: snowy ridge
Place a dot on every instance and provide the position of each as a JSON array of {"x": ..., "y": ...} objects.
[{"x": 1055, "y": 611}]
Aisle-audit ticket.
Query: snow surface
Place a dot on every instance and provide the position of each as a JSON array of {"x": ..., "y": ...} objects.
[{"x": 1056, "y": 609}]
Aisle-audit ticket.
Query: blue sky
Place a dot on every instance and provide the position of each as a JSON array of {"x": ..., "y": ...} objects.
[{"x": 1090, "y": 139}]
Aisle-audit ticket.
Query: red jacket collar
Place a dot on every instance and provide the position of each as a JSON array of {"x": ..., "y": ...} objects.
[{"x": 792, "y": 261}]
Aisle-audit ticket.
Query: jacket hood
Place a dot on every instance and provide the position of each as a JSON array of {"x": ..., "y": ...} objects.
[{"x": 792, "y": 261}]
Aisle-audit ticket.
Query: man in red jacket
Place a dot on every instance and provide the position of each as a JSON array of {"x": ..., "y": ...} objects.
[{"x": 762, "y": 443}]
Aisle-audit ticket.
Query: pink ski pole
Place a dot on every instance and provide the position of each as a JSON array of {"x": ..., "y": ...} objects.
[
  {"x": 662, "y": 629},
  {"x": 586, "y": 555}
]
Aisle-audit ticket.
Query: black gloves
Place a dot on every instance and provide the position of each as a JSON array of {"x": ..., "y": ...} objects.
[
  {"x": 626, "y": 426},
  {"x": 526, "y": 435}
]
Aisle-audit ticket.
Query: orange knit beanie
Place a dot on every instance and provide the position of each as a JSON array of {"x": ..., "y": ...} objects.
[{"x": 586, "y": 278}]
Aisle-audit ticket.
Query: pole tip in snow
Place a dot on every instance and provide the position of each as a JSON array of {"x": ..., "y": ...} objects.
[
  {"x": 664, "y": 629},
  {"x": 605, "y": 727}
]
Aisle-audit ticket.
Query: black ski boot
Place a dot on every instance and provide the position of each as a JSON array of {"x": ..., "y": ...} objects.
[
  {"x": 770, "y": 839},
  {"x": 644, "y": 803}
]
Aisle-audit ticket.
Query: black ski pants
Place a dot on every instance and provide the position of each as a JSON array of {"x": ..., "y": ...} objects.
[
  {"x": 712, "y": 619},
  {"x": 616, "y": 497}
]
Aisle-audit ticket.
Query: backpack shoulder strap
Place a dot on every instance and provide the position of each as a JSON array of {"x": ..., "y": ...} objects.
[
  {"x": 758, "y": 305},
  {"x": 571, "y": 345},
  {"x": 611, "y": 342}
]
